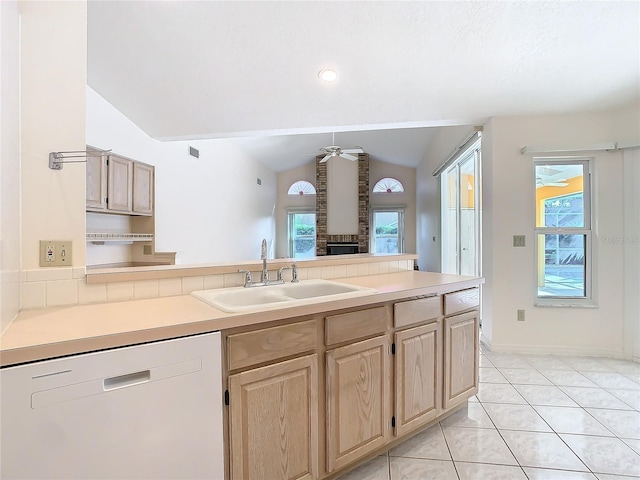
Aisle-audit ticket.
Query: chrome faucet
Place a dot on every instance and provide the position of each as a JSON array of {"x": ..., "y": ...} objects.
[{"x": 263, "y": 256}]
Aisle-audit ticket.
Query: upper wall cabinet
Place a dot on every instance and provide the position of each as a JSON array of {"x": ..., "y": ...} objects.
[{"x": 117, "y": 184}]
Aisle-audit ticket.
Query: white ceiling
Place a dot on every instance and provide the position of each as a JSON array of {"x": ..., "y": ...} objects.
[{"x": 221, "y": 69}]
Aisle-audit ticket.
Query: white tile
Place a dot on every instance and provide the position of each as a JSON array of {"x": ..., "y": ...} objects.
[
  {"x": 624, "y": 423},
  {"x": 613, "y": 380},
  {"x": 621, "y": 366},
  {"x": 499, "y": 393},
  {"x": 192, "y": 284},
  {"x": 232, "y": 279},
  {"x": 119, "y": 291},
  {"x": 328, "y": 272},
  {"x": 545, "y": 395},
  {"x": 384, "y": 267},
  {"x": 363, "y": 269},
  {"x": 547, "y": 474},
  {"x": 314, "y": 273},
  {"x": 633, "y": 443},
  {"x": 303, "y": 274},
  {"x": 213, "y": 281},
  {"x": 393, "y": 266},
  {"x": 418, "y": 468},
  {"x": 507, "y": 360},
  {"x": 352, "y": 270},
  {"x": 604, "y": 455},
  {"x": 33, "y": 295},
  {"x": 48, "y": 274},
  {"x": 473, "y": 416},
  {"x": 604, "y": 476},
  {"x": 545, "y": 450},
  {"x": 340, "y": 271},
  {"x": 374, "y": 268},
  {"x": 485, "y": 362},
  {"x": 78, "y": 272},
  {"x": 168, "y": 287},
  {"x": 375, "y": 469},
  {"x": 484, "y": 471},
  {"x": 478, "y": 445},
  {"x": 516, "y": 417},
  {"x": 62, "y": 292},
  {"x": 145, "y": 289},
  {"x": 586, "y": 364},
  {"x": 91, "y": 293},
  {"x": 428, "y": 444},
  {"x": 491, "y": 375},
  {"x": 572, "y": 420},
  {"x": 595, "y": 398},
  {"x": 524, "y": 376},
  {"x": 546, "y": 362},
  {"x": 569, "y": 378}
]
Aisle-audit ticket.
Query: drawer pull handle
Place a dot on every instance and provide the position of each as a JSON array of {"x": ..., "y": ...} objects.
[{"x": 126, "y": 380}]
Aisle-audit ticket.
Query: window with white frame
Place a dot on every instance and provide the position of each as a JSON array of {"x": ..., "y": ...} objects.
[
  {"x": 301, "y": 234},
  {"x": 563, "y": 229},
  {"x": 387, "y": 232}
]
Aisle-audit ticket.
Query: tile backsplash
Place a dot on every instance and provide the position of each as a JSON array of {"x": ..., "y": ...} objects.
[{"x": 67, "y": 286}]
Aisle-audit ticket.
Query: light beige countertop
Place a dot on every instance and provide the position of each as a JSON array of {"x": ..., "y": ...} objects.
[{"x": 52, "y": 332}]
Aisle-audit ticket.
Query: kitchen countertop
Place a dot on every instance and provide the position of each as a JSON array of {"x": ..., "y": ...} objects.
[{"x": 52, "y": 332}]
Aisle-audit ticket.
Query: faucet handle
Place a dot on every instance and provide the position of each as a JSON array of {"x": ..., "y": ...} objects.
[
  {"x": 281, "y": 271},
  {"x": 294, "y": 273},
  {"x": 247, "y": 277}
]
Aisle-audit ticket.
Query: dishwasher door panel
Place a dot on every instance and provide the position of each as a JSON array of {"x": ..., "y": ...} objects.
[{"x": 150, "y": 411}]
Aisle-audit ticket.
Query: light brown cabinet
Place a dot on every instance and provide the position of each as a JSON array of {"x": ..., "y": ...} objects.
[
  {"x": 358, "y": 400},
  {"x": 461, "y": 358},
  {"x": 116, "y": 184},
  {"x": 418, "y": 373},
  {"x": 273, "y": 421}
]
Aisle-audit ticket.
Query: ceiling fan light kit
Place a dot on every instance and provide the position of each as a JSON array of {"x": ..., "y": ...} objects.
[
  {"x": 328, "y": 75},
  {"x": 337, "y": 151}
]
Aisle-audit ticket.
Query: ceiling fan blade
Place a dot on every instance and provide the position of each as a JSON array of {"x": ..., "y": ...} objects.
[
  {"x": 353, "y": 150},
  {"x": 353, "y": 158},
  {"x": 556, "y": 184},
  {"x": 327, "y": 157}
]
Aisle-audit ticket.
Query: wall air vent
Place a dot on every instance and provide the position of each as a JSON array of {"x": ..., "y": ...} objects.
[{"x": 194, "y": 152}]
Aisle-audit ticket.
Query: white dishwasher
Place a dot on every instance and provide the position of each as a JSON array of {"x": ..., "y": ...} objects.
[{"x": 150, "y": 411}]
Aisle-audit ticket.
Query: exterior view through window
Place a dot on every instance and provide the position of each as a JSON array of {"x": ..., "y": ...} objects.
[
  {"x": 388, "y": 234},
  {"x": 563, "y": 229},
  {"x": 302, "y": 234}
]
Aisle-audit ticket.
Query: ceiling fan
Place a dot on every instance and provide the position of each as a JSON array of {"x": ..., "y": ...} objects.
[{"x": 336, "y": 151}]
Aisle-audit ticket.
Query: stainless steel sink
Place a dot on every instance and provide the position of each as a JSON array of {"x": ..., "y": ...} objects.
[{"x": 240, "y": 299}]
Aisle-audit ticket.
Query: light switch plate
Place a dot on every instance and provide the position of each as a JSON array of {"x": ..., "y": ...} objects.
[
  {"x": 518, "y": 241},
  {"x": 55, "y": 253}
]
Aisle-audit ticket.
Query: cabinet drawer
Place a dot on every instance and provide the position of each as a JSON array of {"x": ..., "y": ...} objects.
[
  {"x": 460, "y": 301},
  {"x": 354, "y": 325},
  {"x": 269, "y": 344},
  {"x": 416, "y": 311}
]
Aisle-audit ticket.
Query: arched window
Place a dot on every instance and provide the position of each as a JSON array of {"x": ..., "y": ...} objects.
[
  {"x": 302, "y": 187},
  {"x": 388, "y": 185}
]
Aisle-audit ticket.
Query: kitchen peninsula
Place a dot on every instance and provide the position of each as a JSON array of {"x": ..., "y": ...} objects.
[{"x": 313, "y": 390}]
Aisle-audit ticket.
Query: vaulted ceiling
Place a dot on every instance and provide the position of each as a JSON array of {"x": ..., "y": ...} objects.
[{"x": 222, "y": 69}]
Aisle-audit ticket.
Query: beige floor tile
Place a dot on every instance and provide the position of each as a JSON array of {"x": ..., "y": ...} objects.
[
  {"x": 524, "y": 376},
  {"x": 604, "y": 455},
  {"x": 569, "y": 378},
  {"x": 498, "y": 393},
  {"x": 595, "y": 398},
  {"x": 474, "y": 416},
  {"x": 478, "y": 445},
  {"x": 544, "y": 450},
  {"x": 417, "y": 469},
  {"x": 572, "y": 420},
  {"x": 484, "y": 471},
  {"x": 546, "y": 474},
  {"x": 491, "y": 375},
  {"x": 429, "y": 444},
  {"x": 516, "y": 417},
  {"x": 545, "y": 395},
  {"x": 375, "y": 469}
]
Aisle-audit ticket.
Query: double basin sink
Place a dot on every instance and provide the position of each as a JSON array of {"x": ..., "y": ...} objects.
[{"x": 306, "y": 292}]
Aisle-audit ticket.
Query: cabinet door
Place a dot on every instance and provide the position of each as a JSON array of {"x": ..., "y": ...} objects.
[
  {"x": 120, "y": 182},
  {"x": 358, "y": 400},
  {"x": 418, "y": 376},
  {"x": 96, "y": 180},
  {"x": 461, "y": 350},
  {"x": 273, "y": 421},
  {"x": 142, "y": 188}
]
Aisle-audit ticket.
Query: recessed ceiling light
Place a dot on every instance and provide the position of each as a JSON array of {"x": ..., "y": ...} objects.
[{"x": 328, "y": 75}]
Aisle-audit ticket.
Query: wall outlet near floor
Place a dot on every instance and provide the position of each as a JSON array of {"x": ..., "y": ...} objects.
[
  {"x": 518, "y": 241},
  {"x": 521, "y": 315},
  {"x": 55, "y": 253},
  {"x": 146, "y": 250}
]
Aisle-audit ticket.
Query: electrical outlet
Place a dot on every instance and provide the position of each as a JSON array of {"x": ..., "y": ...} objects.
[
  {"x": 521, "y": 315},
  {"x": 55, "y": 253},
  {"x": 518, "y": 241},
  {"x": 146, "y": 249}
]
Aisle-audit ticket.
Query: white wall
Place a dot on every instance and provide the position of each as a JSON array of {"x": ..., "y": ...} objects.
[
  {"x": 446, "y": 140},
  {"x": 407, "y": 176},
  {"x": 53, "y": 78},
  {"x": 10, "y": 164},
  {"x": 208, "y": 210},
  {"x": 509, "y": 209}
]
